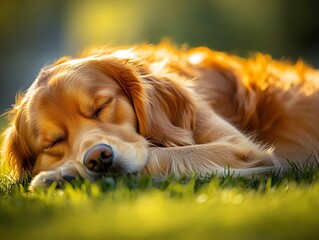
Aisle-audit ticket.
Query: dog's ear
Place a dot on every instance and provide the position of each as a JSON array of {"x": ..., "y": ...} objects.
[
  {"x": 170, "y": 111},
  {"x": 15, "y": 151},
  {"x": 165, "y": 111}
]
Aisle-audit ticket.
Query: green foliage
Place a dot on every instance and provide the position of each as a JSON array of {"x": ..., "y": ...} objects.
[{"x": 135, "y": 207}]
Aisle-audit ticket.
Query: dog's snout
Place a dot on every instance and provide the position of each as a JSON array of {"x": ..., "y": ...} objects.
[{"x": 99, "y": 158}]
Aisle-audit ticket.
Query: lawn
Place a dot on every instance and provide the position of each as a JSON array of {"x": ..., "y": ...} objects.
[{"x": 132, "y": 207}]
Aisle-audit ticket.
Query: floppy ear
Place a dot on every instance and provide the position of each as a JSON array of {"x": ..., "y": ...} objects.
[
  {"x": 18, "y": 147},
  {"x": 15, "y": 151},
  {"x": 170, "y": 111},
  {"x": 165, "y": 110}
]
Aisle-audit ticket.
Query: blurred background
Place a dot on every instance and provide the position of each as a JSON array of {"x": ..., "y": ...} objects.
[{"x": 36, "y": 32}]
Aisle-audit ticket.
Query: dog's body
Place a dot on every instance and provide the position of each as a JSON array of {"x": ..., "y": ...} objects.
[{"x": 158, "y": 110}]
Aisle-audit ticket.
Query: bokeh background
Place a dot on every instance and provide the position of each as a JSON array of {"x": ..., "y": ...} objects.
[{"x": 36, "y": 32}]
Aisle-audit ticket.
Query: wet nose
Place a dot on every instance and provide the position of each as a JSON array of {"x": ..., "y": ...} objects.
[{"x": 98, "y": 158}]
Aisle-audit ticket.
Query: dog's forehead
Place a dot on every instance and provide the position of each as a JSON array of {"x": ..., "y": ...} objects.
[
  {"x": 69, "y": 87},
  {"x": 50, "y": 70},
  {"x": 74, "y": 74}
]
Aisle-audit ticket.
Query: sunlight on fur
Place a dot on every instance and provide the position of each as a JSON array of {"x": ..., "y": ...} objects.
[{"x": 160, "y": 110}]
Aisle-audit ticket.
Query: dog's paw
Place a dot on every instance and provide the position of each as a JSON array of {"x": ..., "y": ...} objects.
[
  {"x": 68, "y": 172},
  {"x": 46, "y": 179}
]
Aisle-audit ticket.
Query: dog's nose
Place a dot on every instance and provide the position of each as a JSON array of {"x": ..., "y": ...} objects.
[{"x": 99, "y": 158}]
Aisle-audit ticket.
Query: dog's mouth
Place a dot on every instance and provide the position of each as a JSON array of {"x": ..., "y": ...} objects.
[{"x": 113, "y": 171}]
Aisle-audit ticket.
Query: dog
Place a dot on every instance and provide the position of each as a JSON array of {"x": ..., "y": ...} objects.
[{"x": 159, "y": 110}]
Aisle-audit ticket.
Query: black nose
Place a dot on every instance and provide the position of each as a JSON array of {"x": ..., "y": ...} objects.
[{"x": 99, "y": 158}]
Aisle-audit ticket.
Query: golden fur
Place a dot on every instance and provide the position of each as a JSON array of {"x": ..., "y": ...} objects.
[{"x": 164, "y": 110}]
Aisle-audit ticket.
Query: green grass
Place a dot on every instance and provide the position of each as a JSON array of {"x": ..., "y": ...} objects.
[{"x": 144, "y": 208}]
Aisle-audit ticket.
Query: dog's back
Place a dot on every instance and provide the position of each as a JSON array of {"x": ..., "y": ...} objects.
[{"x": 275, "y": 102}]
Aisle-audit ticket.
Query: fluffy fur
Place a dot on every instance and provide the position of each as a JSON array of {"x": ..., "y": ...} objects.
[{"x": 164, "y": 111}]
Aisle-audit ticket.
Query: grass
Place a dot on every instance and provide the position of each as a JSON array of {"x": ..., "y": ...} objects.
[{"x": 134, "y": 207}]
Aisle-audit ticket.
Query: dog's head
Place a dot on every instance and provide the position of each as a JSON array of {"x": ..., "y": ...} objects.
[{"x": 101, "y": 110}]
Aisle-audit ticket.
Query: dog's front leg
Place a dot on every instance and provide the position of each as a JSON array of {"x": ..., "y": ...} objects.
[{"x": 245, "y": 158}]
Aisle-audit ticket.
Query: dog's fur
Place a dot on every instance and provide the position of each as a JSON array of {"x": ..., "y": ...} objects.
[{"x": 164, "y": 110}]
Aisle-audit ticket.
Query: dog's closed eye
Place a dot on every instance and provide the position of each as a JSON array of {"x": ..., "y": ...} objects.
[
  {"x": 58, "y": 140},
  {"x": 101, "y": 107}
]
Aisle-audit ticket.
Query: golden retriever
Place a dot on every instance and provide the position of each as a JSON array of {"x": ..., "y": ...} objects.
[{"x": 159, "y": 110}]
